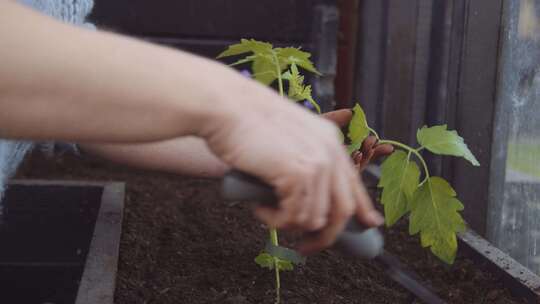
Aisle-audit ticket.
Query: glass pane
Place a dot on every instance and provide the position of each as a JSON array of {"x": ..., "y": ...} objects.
[{"x": 514, "y": 223}]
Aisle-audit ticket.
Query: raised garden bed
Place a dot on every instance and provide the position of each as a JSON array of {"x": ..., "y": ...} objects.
[
  {"x": 60, "y": 242},
  {"x": 182, "y": 244}
]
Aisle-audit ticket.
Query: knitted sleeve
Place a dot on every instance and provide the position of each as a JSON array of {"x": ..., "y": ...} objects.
[{"x": 70, "y": 11}]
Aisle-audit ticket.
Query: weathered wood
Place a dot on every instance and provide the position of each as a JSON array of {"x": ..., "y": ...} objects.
[
  {"x": 98, "y": 281},
  {"x": 285, "y": 20},
  {"x": 521, "y": 280},
  {"x": 325, "y": 28},
  {"x": 347, "y": 43},
  {"x": 475, "y": 106},
  {"x": 405, "y": 71},
  {"x": 370, "y": 59}
]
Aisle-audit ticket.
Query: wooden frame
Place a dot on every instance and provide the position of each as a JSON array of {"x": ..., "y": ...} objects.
[
  {"x": 434, "y": 62},
  {"x": 98, "y": 280}
]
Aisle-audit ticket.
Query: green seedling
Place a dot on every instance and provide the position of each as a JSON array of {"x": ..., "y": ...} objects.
[{"x": 431, "y": 203}]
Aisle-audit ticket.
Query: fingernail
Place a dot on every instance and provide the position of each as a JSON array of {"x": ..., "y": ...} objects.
[{"x": 376, "y": 218}]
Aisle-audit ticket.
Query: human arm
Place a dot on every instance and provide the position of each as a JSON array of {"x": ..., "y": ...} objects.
[
  {"x": 65, "y": 83},
  {"x": 184, "y": 155},
  {"x": 191, "y": 156}
]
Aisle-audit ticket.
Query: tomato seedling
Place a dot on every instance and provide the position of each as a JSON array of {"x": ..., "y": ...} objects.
[{"x": 431, "y": 203}]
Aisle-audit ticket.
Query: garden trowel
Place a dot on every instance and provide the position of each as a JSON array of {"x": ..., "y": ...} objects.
[{"x": 355, "y": 240}]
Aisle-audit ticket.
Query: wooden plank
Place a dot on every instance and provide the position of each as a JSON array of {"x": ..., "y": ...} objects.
[
  {"x": 208, "y": 47},
  {"x": 521, "y": 280},
  {"x": 399, "y": 81},
  {"x": 99, "y": 277},
  {"x": 324, "y": 37},
  {"x": 347, "y": 42},
  {"x": 285, "y": 20},
  {"x": 370, "y": 59},
  {"x": 475, "y": 106}
]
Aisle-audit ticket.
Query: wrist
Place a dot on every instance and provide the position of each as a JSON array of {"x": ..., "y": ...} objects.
[{"x": 229, "y": 100}]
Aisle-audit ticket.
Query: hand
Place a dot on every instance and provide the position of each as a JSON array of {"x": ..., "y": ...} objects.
[
  {"x": 300, "y": 155},
  {"x": 370, "y": 150}
]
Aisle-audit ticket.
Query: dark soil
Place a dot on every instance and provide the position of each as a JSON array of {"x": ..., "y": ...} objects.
[{"x": 182, "y": 244}]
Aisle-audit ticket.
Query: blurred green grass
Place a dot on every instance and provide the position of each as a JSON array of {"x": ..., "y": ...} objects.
[{"x": 524, "y": 157}]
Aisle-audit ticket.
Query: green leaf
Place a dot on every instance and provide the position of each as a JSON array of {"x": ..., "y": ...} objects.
[
  {"x": 296, "y": 84},
  {"x": 439, "y": 140},
  {"x": 284, "y": 265},
  {"x": 297, "y": 90},
  {"x": 243, "y": 60},
  {"x": 284, "y": 253},
  {"x": 290, "y": 55},
  {"x": 435, "y": 214},
  {"x": 353, "y": 147},
  {"x": 265, "y": 260},
  {"x": 264, "y": 69},
  {"x": 341, "y": 137},
  {"x": 358, "y": 129},
  {"x": 246, "y": 46},
  {"x": 264, "y": 64},
  {"x": 399, "y": 179}
]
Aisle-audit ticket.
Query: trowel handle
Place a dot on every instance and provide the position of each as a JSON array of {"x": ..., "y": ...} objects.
[{"x": 354, "y": 240}]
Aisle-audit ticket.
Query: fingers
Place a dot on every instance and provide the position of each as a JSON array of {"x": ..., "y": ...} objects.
[
  {"x": 368, "y": 144},
  {"x": 342, "y": 209},
  {"x": 318, "y": 213},
  {"x": 339, "y": 117},
  {"x": 382, "y": 150},
  {"x": 370, "y": 150},
  {"x": 365, "y": 212},
  {"x": 306, "y": 199}
]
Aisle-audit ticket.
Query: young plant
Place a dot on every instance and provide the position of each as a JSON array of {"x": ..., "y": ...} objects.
[
  {"x": 268, "y": 65},
  {"x": 431, "y": 203}
]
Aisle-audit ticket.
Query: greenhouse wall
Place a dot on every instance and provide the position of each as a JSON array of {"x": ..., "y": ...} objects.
[{"x": 514, "y": 210}]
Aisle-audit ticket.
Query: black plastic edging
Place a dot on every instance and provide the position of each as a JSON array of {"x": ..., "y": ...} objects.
[{"x": 520, "y": 280}]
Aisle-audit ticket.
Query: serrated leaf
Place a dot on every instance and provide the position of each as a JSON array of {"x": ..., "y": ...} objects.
[
  {"x": 246, "y": 46},
  {"x": 265, "y": 260},
  {"x": 263, "y": 59},
  {"x": 358, "y": 129},
  {"x": 297, "y": 90},
  {"x": 439, "y": 140},
  {"x": 290, "y": 55},
  {"x": 296, "y": 84},
  {"x": 287, "y": 75},
  {"x": 435, "y": 214},
  {"x": 399, "y": 179}
]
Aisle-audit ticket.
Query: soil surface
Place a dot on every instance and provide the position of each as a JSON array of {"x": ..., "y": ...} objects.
[{"x": 182, "y": 244}]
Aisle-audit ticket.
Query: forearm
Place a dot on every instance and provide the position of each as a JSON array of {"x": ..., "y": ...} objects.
[
  {"x": 89, "y": 86},
  {"x": 186, "y": 156}
]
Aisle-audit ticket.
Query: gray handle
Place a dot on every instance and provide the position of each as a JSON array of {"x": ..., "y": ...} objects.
[{"x": 355, "y": 240}]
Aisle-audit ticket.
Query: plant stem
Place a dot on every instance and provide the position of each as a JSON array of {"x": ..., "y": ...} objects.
[
  {"x": 280, "y": 80},
  {"x": 410, "y": 150},
  {"x": 273, "y": 232},
  {"x": 374, "y": 133},
  {"x": 274, "y": 240}
]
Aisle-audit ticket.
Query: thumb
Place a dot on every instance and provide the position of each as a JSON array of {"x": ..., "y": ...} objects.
[{"x": 339, "y": 117}]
